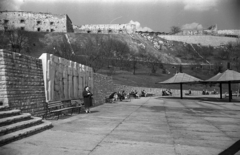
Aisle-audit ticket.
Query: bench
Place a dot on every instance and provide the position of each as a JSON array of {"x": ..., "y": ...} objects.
[
  {"x": 77, "y": 104},
  {"x": 149, "y": 94},
  {"x": 59, "y": 106}
]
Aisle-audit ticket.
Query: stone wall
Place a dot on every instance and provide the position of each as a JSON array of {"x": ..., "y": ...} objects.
[
  {"x": 103, "y": 86},
  {"x": 105, "y": 28},
  {"x": 21, "y": 82},
  {"x": 64, "y": 79},
  {"x": 31, "y": 21}
]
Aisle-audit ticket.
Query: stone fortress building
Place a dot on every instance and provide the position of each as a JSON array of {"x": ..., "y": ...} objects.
[
  {"x": 31, "y": 21},
  {"x": 106, "y": 28}
]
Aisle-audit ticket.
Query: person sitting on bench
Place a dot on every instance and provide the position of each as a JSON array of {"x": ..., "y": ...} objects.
[
  {"x": 120, "y": 96},
  {"x": 189, "y": 92},
  {"x": 143, "y": 93},
  {"x": 113, "y": 96},
  {"x": 134, "y": 94}
]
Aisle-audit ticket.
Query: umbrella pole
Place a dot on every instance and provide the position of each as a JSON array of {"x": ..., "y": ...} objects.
[
  {"x": 229, "y": 91},
  {"x": 181, "y": 90},
  {"x": 220, "y": 86}
]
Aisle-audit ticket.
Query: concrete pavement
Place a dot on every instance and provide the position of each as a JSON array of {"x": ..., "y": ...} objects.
[{"x": 146, "y": 126}]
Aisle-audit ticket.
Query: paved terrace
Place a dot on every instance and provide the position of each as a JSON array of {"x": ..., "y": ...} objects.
[{"x": 141, "y": 127}]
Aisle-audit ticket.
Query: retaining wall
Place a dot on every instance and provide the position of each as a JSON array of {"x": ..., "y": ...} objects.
[{"x": 21, "y": 82}]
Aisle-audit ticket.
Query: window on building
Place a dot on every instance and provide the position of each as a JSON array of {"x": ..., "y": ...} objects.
[
  {"x": 22, "y": 21},
  {"x": 52, "y": 30},
  {"x": 6, "y": 21},
  {"x": 38, "y": 22},
  {"x": 22, "y": 28},
  {"x": 51, "y": 23},
  {"x": 38, "y": 29}
]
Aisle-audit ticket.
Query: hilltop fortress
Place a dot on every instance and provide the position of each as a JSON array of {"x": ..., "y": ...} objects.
[
  {"x": 31, "y": 21},
  {"x": 47, "y": 22}
]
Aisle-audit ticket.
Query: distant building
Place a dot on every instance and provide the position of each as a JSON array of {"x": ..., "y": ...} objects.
[
  {"x": 192, "y": 32},
  {"x": 31, "y": 21},
  {"x": 105, "y": 28},
  {"x": 211, "y": 30}
]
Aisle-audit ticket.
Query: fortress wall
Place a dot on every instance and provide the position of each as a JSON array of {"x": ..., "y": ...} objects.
[
  {"x": 29, "y": 21},
  {"x": 21, "y": 82},
  {"x": 64, "y": 79},
  {"x": 106, "y": 28}
]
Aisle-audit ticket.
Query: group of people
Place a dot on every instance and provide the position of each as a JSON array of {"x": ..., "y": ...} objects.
[
  {"x": 121, "y": 95},
  {"x": 166, "y": 92},
  {"x": 205, "y": 92},
  {"x": 118, "y": 96}
]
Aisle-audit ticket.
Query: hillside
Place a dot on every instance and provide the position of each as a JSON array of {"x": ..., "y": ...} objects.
[
  {"x": 195, "y": 57},
  {"x": 204, "y": 40}
]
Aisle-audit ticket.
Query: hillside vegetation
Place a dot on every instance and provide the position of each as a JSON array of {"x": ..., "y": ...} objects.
[
  {"x": 204, "y": 40},
  {"x": 132, "y": 59}
]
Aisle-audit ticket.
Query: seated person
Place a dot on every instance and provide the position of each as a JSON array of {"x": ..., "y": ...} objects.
[
  {"x": 206, "y": 92},
  {"x": 169, "y": 91},
  {"x": 214, "y": 91},
  {"x": 189, "y": 92},
  {"x": 113, "y": 96},
  {"x": 143, "y": 93},
  {"x": 120, "y": 96},
  {"x": 203, "y": 92},
  {"x": 165, "y": 93},
  {"x": 134, "y": 94},
  {"x": 124, "y": 94}
]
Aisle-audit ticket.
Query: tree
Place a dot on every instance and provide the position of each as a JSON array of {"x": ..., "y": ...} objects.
[
  {"x": 15, "y": 40},
  {"x": 175, "y": 29}
]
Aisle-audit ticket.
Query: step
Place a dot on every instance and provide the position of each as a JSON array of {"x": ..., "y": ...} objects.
[
  {"x": 12, "y": 119},
  {"x": 3, "y": 107},
  {"x": 19, "y": 125},
  {"x": 9, "y": 113},
  {"x": 24, "y": 133}
]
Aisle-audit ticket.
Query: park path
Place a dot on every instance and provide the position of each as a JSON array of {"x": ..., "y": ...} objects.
[{"x": 146, "y": 126}]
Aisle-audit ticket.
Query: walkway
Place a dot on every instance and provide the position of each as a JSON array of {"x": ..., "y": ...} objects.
[{"x": 146, "y": 126}]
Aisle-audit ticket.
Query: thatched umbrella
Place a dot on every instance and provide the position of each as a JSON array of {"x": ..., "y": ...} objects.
[
  {"x": 229, "y": 76},
  {"x": 181, "y": 78}
]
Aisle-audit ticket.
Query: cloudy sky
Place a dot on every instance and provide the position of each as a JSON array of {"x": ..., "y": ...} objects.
[{"x": 158, "y": 15}]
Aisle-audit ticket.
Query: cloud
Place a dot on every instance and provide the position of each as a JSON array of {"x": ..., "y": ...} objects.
[
  {"x": 11, "y": 5},
  {"x": 192, "y": 26},
  {"x": 199, "y": 5},
  {"x": 139, "y": 28}
]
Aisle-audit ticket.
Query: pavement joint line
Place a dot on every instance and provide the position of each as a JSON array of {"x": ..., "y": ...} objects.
[
  {"x": 212, "y": 123},
  {"x": 117, "y": 127},
  {"x": 174, "y": 143}
]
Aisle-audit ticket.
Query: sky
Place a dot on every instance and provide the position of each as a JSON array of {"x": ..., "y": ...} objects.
[{"x": 155, "y": 15}]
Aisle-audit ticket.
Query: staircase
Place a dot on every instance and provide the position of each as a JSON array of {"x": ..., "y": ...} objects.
[{"x": 15, "y": 125}]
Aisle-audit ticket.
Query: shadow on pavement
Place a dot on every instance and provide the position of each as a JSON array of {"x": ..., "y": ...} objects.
[
  {"x": 232, "y": 149},
  {"x": 200, "y": 98}
]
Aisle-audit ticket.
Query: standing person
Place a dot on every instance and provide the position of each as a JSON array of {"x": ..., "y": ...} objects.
[{"x": 87, "y": 96}]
